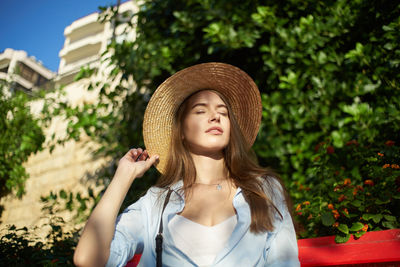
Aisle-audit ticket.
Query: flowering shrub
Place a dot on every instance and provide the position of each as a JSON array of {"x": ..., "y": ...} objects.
[
  {"x": 359, "y": 191},
  {"x": 22, "y": 247}
]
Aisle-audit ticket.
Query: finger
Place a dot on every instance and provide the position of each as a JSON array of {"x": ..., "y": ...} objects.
[
  {"x": 139, "y": 153},
  {"x": 141, "y": 156},
  {"x": 131, "y": 152},
  {"x": 136, "y": 153},
  {"x": 144, "y": 155},
  {"x": 152, "y": 160}
]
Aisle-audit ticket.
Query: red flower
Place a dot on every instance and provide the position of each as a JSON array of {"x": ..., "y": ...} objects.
[
  {"x": 381, "y": 154},
  {"x": 298, "y": 207},
  {"x": 335, "y": 214},
  {"x": 386, "y": 166},
  {"x": 389, "y": 143},
  {"x": 330, "y": 206},
  {"x": 365, "y": 228},
  {"x": 352, "y": 142},
  {"x": 330, "y": 150},
  {"x": 347, "y": 181},
  {"x": 395, "y": 166},
  {"x": 355, "y": 190},
  {"x": 306, "y": 203},
  {"x": 369, "y": 182},
  {"x": 336, "y": 224},
  {"x": 341, "y": 198}
]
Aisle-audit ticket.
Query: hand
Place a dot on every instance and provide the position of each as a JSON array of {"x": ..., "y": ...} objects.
[{"x": 135, "y": 163}]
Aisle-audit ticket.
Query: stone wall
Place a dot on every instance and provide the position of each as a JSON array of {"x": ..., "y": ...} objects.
[{"x": 68, "y": 167}]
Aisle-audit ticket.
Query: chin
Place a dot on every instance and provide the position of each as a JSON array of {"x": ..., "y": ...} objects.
[
  {"x": 214, "y": 148},
  {"x": 208, "y": 149}
]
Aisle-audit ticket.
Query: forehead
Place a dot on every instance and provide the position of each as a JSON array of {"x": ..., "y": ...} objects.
[{"x": 205, "y": 96}]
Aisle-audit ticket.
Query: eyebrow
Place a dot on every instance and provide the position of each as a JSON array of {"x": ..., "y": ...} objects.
[{"x": 204, "y": 105}]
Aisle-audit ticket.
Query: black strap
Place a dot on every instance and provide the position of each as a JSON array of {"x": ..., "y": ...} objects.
[{"x": 159, "y": 238}]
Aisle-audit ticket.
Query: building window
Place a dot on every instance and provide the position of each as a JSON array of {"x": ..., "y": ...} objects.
[{"x": 25, "y": 72}]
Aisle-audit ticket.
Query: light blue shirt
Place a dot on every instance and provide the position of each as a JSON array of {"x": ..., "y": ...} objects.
[{"x": 137, "y": 227}]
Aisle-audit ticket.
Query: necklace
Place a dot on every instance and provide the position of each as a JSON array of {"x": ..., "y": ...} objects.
[{"x": 218, "y": 186}]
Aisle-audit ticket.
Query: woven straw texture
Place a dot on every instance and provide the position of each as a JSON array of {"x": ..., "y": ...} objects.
[{"x": 234, "y": 84}]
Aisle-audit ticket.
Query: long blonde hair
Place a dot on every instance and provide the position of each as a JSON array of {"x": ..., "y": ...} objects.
[{"x": 241, "y": 164}]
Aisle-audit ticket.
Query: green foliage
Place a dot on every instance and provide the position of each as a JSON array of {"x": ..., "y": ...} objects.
[
  {"x": 80, "y": 206},
  {"x": 21, "y": 247},
  {"x": 20, "y": 136},
  {"x": 327, "y": 72},
  {"x": 359, "y": 190}
]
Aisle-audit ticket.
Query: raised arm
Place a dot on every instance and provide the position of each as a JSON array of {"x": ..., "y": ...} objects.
[{"x": 93, "y": 248}]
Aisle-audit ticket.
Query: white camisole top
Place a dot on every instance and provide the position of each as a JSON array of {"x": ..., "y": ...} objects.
[{"x": 200, "y": 243}]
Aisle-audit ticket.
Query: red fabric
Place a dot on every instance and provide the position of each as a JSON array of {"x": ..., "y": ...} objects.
[
  {"x": 373, "y": 247},
  {"x": 134, "y": 261}
]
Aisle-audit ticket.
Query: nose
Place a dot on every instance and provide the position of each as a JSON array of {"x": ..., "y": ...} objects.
[{"x": 215, "y": 117}]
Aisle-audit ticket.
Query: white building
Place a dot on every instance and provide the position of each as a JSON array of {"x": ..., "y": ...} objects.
[
  {"x": 86, "y": 39},
  {"x": 22, "y": 72},
  {"x": 70, "y": 166}
]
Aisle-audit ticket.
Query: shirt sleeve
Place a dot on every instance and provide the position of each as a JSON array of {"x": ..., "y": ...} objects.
[
  {"x": 128, "y": 235},
  {"x": 282, "y": 250}
]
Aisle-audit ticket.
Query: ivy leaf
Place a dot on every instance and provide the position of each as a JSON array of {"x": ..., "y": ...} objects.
[
  {"x": 327, "y": 219},
  {"x": 377, "y": 218},
  {"x": 389, "y": 225},
  {"x": 390, "y": 218},
  {"x": 343, "y": 228},
  {"x": 359, "y": 234},
  {"x": 356, "y": 227},
  {"x": 367, "y": 216},
  {"x": 355, "y": 172},
  {"x": 356, "y": 203},
  {"x": 380, "y": 202},
  {"x": 346, "y": 214},
  {"x": 63, "y": 194},
  {"x": 342, "y": 238}
]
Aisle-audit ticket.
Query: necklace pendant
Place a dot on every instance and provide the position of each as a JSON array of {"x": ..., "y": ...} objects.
[{"x": 219, "y": 187}]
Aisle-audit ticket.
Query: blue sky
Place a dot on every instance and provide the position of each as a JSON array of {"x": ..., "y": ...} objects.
[{"x": 37, "y": 26}]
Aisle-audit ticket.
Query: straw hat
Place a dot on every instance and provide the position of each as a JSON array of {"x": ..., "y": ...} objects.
[{"x": 234, "y": 84}]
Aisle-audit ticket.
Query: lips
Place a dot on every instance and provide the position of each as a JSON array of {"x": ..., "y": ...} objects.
[{"x": 215, "y": 130}]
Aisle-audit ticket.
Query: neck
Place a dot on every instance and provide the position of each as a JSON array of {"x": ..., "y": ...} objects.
[{"x": 209, "y": 169}]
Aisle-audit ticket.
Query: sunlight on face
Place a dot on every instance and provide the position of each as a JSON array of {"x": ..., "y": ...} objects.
[{"x": 206, "y": 124}]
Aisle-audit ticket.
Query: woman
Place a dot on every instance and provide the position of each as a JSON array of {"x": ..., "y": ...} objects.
[{"x": 213, "y": 205}]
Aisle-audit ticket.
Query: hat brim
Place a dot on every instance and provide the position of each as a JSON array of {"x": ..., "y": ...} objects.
[{"x": 234, "y": 84}]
